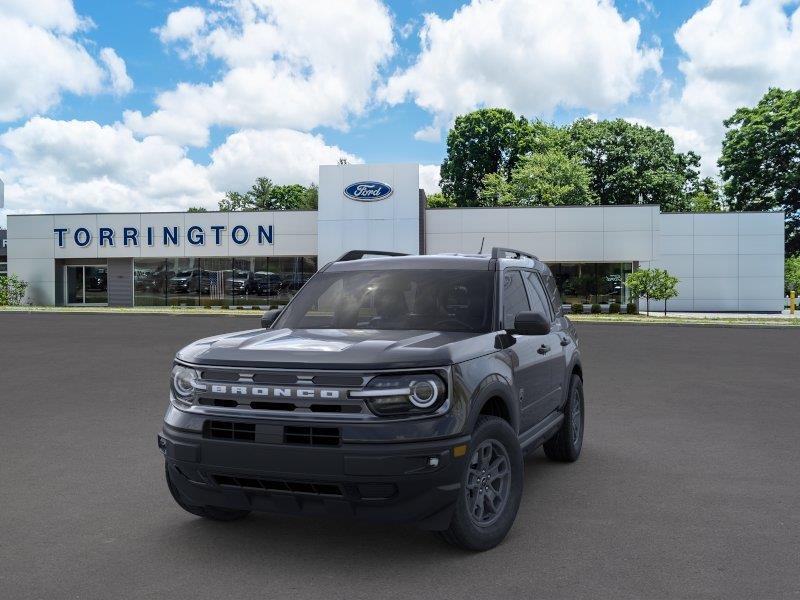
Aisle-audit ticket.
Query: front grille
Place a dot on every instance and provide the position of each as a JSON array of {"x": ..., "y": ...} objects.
[
  {"x": 272, "y": 434},
  {"x": 230, "y": 430},
  {"x": 277, "y": 485},
  {"x": 312, "y": 436}
]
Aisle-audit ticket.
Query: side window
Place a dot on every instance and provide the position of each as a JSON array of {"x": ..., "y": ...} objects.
[
  {"x": 538, "y": 299},
  {"x": 552, "y": 291},
  {"x": 515, "y": 300}
]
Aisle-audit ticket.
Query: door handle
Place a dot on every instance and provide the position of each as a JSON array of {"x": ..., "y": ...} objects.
[{"x": 543, "y": 349}]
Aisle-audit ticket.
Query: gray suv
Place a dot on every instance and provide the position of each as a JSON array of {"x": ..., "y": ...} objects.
[{"x": 394, "y": 388}]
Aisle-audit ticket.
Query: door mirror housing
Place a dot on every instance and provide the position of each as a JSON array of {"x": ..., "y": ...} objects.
[
  {"x": 531, "y": 323},
  {"x": 269, "y": 317}
]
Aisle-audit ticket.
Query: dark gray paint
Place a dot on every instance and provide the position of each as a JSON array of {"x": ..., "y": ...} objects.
[
  {"x": 120, "y": 282},
  {"x": 3, "y": 244},
  {"x": 423, "y": 205}
]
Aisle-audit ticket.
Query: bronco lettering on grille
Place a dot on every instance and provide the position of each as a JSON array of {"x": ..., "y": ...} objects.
[{"x": 242, "y": 390}]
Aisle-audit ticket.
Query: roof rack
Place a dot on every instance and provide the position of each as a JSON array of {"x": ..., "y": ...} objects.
[
  {"x": 498, "y": 252},
  {"x": 359, "y": 254}
]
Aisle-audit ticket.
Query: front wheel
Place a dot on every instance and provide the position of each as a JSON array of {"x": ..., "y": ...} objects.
[
  {"x": 566, "y": 444},
  {"x": 491, "y": 488},
  {"x": 215, "y": 513}
]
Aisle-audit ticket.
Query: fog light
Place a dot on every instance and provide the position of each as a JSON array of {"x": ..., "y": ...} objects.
[
  {"x": 433, "y": 461},
  {"x": 162, "y": 444}
]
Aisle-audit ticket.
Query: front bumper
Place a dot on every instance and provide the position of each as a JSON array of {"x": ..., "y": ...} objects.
[{"x": 414, "y": 482}]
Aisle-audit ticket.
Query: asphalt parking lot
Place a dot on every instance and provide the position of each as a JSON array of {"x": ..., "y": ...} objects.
[{"x": 688, "y": 486}]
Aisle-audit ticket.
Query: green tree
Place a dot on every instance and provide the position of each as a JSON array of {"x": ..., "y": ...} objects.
[
  {"x": 706, "y": 197},
  {"x": 495, "y": 191},
  {"x": 311, "y": 200},
  {"x": 287, "y": 197},
  {"x": 760, "y": 161},
  {"x": 234, "y": 201},
  {"x": 666, "y": 287},
  {"x": 550, "y": 178},
  {"x": 792, "y": 274},
  {"x": 197, "y": 209},
  {"x": 632, "y": 164},
  {"x": 265, "y": 195},
  {"x": 438, "y": 200},
  {"x": 485, "y": 141},
  {"x": 643, "y": 283},
  {"x": 12, "y": 290}
]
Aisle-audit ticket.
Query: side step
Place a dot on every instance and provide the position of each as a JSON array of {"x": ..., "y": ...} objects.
[{"x": 536, "y": 435}]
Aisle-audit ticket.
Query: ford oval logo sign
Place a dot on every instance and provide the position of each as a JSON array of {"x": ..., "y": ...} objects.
[{"x": 368, "y": 191}]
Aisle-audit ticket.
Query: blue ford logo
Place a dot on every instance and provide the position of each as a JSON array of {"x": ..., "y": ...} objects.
[{"x": 368, "y": 191}]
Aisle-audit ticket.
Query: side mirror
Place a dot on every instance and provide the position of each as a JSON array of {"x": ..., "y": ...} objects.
[
  {"x": 269, "y": 317},
  {"x": 531, "y": 323}
]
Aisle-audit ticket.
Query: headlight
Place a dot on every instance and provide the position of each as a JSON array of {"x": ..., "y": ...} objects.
[
  {"x": 398, "y": 395},
  {"x": 183, "y": 382}
]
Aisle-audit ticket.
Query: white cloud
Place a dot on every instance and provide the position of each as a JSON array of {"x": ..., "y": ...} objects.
[
  {"x": 429, "y": 178},
  {"x": 183, "y": 25},
  {"x": 58, "y": 15},
  {"x": 121, "y": 83},
  {"x": 287, "y": 64},
  {"x": 528, "y": 55},
  {"x": 41, "y": 58},
  {"x": 82, "y": 166},
  {"x": 69, "y": 166},
  {"x": 734, "y": 51},
  {"x": 283, "y": 155}
]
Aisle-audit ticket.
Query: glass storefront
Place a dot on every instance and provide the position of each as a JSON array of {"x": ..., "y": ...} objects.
[
  {"x": 87, "y": 284},
  {"x": 219, "y": 281},
  {"x": 592, "y": 283}
]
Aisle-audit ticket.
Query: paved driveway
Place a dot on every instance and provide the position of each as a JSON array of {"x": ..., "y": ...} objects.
[{"x": 688, "y": 486}]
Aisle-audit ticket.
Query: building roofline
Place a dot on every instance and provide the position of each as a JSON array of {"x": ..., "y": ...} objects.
[
  {"x": 561, "y": 206},
  {"x": 165, "y": 212}
]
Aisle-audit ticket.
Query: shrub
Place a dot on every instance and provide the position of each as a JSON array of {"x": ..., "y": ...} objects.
[
  {"x": 577, "y": 308},
  {"x": 613, "y": 308},
  {"x": 596, "y": 310},
  {"x": 12, "y": 290},
  {"x": 632, "y": 309}
]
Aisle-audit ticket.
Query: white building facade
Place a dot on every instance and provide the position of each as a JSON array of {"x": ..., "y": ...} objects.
[{"x": 724, "y": 261}]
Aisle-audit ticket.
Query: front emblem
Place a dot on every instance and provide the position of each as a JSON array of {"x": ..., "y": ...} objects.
[{"x": 368, "y": 191}]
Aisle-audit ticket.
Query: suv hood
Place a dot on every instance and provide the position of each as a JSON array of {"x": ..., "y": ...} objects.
[{"x": 319, "y": 349}]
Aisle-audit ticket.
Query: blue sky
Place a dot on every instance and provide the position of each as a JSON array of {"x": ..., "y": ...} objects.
[
  {"x": 384, "y": 135},
  {"x": 147, "y": 104}
]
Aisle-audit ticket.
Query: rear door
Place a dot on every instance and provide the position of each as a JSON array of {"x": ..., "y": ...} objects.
[
  {"x": 532, "y": 378},
  {"x": 554, "y": 357}
]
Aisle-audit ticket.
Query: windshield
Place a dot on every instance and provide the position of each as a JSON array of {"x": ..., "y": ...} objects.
[{"x": 433, "y": 300}]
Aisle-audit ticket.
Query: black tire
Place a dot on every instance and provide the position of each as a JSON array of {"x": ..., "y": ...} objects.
[
  {"x": 214, "y": 513},
  {"x": 484, "y": 532},
  {"x": 566, "y": 444}
]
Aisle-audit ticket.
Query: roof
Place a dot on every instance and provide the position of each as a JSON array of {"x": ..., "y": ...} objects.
[{"x": 477, "y": 262}]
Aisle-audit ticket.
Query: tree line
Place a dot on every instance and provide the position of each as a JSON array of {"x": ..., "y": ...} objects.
[
  {"x": 496, "y": 158},
  {"x": 265, "y": 195}
]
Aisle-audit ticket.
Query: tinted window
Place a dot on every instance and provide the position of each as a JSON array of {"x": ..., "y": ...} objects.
[
  {"x": 536, "y": 295},
  {"x": 434, "y": 300},
  {"x": 515, "y": 299}
]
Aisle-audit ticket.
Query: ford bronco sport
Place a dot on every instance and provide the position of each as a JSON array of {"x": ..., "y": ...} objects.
[{"x": 399, "y": 388}]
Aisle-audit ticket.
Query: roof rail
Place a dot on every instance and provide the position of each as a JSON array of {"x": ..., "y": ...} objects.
[
  {"x": 498, "y": 252},
  {"x": 358, "y": 254}
]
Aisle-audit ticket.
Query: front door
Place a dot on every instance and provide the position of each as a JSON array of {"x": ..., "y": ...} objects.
[
  {"x": 555, "y": 356},
  {"x": 86, "y": 284},
  {"x": 532, "y": 378}
]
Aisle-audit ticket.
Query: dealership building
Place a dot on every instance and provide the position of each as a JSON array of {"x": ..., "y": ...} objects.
[{"x": 724, "y": 261}]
